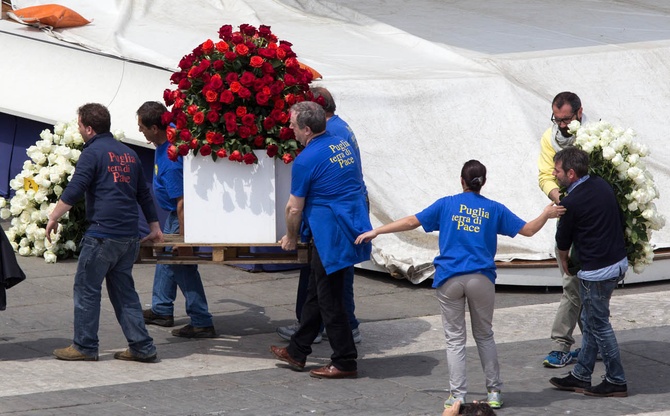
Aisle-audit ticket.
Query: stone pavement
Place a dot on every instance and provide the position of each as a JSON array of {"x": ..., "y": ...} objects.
[{"x": 402, "y": 367}]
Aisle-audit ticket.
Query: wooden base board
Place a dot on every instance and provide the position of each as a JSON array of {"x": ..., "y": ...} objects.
[{"x": 174, "y": 251}]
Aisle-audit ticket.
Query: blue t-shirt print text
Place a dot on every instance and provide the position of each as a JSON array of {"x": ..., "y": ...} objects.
[
  {"x": 345, "y": 157},
  {"x": 119, "y": 166},
  {"x": 469, "y": 219}
]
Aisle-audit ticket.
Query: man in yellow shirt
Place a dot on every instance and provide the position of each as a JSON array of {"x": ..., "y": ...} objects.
[{"x": 565, "y": 108}]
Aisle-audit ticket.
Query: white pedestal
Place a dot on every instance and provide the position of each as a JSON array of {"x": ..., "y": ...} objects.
[{"x": 230, "y": 202}]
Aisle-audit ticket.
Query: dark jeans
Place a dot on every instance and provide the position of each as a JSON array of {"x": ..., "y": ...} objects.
[
  {"x": 349, "y": 304},
  {"x": 324, "y": 305},
  {"x": 598, "y": 334}
]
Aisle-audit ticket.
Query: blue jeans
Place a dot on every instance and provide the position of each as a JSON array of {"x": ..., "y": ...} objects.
[
  {"x": 597, "y": 332},
  {"x": 110, "y": 258},
  {"x": 349, "y": 304},
  {"x": 170, "y": 276}
]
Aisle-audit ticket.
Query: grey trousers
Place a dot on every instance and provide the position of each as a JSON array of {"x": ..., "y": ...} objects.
[
  {"x": 480, "y": 294},
  {"x": 567, "y": 315}
]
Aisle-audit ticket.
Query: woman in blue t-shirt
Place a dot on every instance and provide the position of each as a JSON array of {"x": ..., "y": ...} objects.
[{"x": 469, "y": 224}]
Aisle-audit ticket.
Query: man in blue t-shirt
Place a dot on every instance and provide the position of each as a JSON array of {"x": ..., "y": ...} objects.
[
  {"x": 337, "y": 127},
  {"x": 169, "y": 191},
  {"x": 327, "y": 194},
  {"x": 109, "y": 175}
]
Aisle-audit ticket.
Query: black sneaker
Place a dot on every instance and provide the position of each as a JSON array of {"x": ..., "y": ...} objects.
[
  {"x": 190, "y": 331},
  {"x": 570, "y": 383},
  {"x": 607, "y": 389},
  {"x": 150, "y": 318}
]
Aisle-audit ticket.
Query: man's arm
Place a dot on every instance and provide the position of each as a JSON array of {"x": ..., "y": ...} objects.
[
  {"x": 563, "y": 256},
  {"x": 180, "y": 214},
  {"x": 545, "y": 165},
  {"x": 293, "y": 214},
  {"x": 60, "y": 210}
]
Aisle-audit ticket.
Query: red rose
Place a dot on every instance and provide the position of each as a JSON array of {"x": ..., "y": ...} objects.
[
  {"x": 231, "y": 127},
  {"x": 235, "y": 156},
  {"x": 212, "y": 117},
  {"x": 264, "y": 31},
  {"x": 170, "y": 132},
  {"x": 227, "y": 97},
  {"x": 279, "y": 104},
  {"x": 199, "y": 118},
  {"x": 281, "y": 53},
  {"x": 218, "y": 65},
  {"x": 285, "y": 134},
  {"x": 167, "y": 97},
  {"x": 267, "y": 53},
  {"x": 256, "y": 61},
  {"x": 210, "y": 137},
  {"x": 267, "y": 68},
  {"x": 269, "y": 123},
  {"x": 229, "y": 117},
  {"x": 187, "y": 62},
  {"x": 247, "y": 78},
  {"x": 232, "y": 77},
  {"x": 192, "y": 109},
  {"x": 193, "y": 144},
  {"x": 273, "y": 149},
  {"x": 262, "y": 98},
  {"x": 230, "y": 56},
  {"x": 221, "y": 153},
  {"x": 249, "y": 158},
  {"x": 225, "y": 32},
  {"x": 241, "y": 49},
  {"x": 183, "y": 149},
  {"x": 216, "y": 82},
  {"x": 240, "y": 111},
  {"x": 184, "y": 84},
  {"x": 185, "y": 135},
  {"x": 178, "y": 103},
  {"x": 258, "y": 141},
  {"x": 173, "y": 153},
  {"x": 237, "y": 38},
  {"x": 290, "y": 99},
  {"x": 211, "y": 96},
  {"x": 181, "y": 122},
  {"x": 244, "y": 132},
  {"x": 218, "y": 138},
  {"x": 221, "y": 46},
  {"x": 247, "y": 29},
  {"x": 248, "y": 120},
  {"x": 290, "y": 80},
  {"x": 287, "y": 158},
  {"x": 208, "y": 46},
  {"x": 206, "y": 150},
  {"x": 235, "y": 86},
  {"x": 244, "y": 93},
  {"x": 166, "y": 118}
]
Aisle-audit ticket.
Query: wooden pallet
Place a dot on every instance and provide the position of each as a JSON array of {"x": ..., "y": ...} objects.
[{"x": 174, "y": 251}]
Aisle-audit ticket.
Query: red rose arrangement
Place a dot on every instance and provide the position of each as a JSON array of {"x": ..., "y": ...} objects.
[{"x": 234, "y": 95}]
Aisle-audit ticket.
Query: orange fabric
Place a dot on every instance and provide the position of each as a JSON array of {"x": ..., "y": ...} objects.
[
  {"x": 315, "y": 73},
  {"x": 53, "y": 15}
]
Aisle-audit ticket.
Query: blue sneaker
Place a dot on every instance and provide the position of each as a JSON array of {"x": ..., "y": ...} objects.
[
  {"x": 557, "y": 359},
  {"x": 575, "y": 354}
]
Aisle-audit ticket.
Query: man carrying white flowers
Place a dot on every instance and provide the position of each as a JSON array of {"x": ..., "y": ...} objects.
[
  {"x": 593, "y": 223},
  {"x": 565, "y": 108},
  {"x": 109, "y": 175}
]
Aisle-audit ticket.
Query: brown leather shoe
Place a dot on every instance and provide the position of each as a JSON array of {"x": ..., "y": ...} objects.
[
  {"x": 283, "y": 355},
  {"x": 330, "y": 371}
]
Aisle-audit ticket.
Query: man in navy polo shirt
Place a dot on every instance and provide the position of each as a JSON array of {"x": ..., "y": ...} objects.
[{"x": 109, "y": 175}]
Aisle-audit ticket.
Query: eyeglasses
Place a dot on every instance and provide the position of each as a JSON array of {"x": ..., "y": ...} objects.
[{"x": 566, "y": 120}]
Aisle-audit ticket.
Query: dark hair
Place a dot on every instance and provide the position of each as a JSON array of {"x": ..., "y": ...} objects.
[
  {"x": 329, "y": 103},
  {"x": 567, "y": 97},
  {"x": 575, "y": 159},
  {"x": 310, "y": 114},
  {"x": 477, "y": 409},
  {"x": 95, "y": 116},
  {"x": 151, "y": 114},
  {"x": 474, "y": 175}
]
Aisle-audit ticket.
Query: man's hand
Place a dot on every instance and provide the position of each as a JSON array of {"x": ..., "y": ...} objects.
[
  {"x": 453, "y": 410},
  {"x": 288, "y": 244},
  {"x": 155, "y": 234},
  {"x": 555, "y": 196},
  {"x": 52, "y": 226}
]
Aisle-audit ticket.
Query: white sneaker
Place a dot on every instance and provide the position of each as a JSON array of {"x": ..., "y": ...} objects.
[
  {"x": 286, "y": 332},
  {"x": 452, "y": 400}
]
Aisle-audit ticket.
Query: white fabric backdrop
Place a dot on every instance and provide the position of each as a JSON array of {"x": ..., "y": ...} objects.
[{"x": 426, "y": 85}]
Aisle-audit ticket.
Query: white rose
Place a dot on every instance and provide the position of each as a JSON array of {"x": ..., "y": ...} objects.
[
  {"x": 59, "y": 128},
  {"x": 5, "y": 213},
  {"x": 70, "y": 245},
  {"x": 24, "y": 251},
  {"x": 633, "y": 159},
  {"x": 50, "y": 257},
  {"x": 643, "y": 150},
  {"x": 119, "y": 134},
  {"x": 609, "y": 153},
  {"x": 574, "y": 126},
  {"x": 3, "y": 202},
  {"x": 632, "y": 206},
  {"x": 14, "y": 246},
  {"x": 639, "y": 267},
  {"x": 58, "y": 190},
  {"x": 617, "y": 159},
  {"x": 16, "y": 183}
]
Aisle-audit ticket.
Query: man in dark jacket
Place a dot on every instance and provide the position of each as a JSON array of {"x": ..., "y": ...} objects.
[
  {"x": 109, "y": 174},
  {"x": 593, "y": 223}
]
